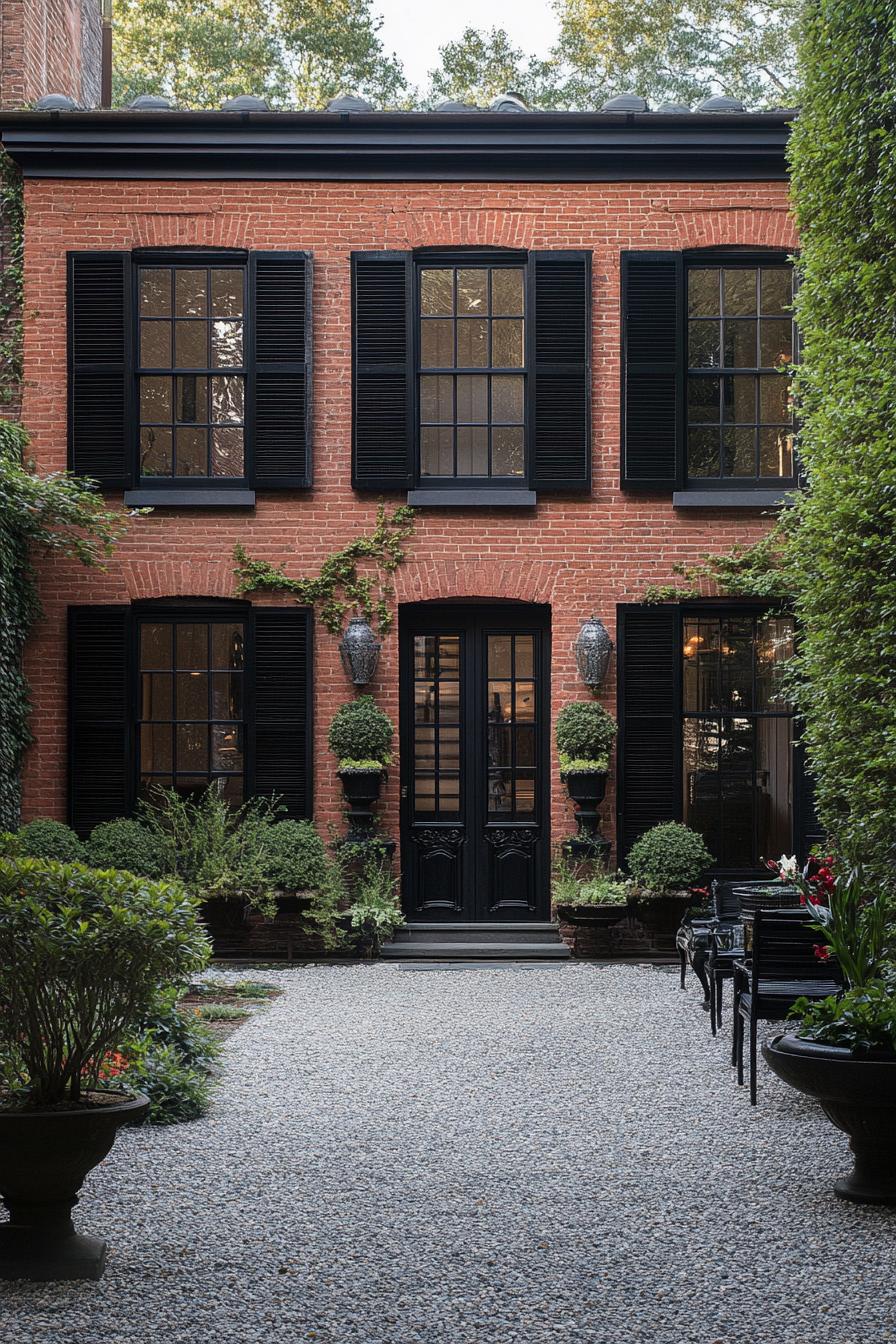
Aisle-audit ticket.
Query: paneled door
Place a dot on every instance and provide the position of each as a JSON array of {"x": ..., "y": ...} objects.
[{"x": 474, "y": 752}]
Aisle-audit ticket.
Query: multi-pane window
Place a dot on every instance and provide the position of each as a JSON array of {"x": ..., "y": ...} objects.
[
  {"x": 740, "y": 342},
  {"x": 437, "y": 726},
  {"x": 191, "y": 727},
  {"x": 738, "y": 732},
  {"x": 191, "y": 373},
  {"x": 472, "y": 372},
  {"x": 510, "y": 727}
]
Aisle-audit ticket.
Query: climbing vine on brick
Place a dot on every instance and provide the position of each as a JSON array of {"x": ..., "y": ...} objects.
[
  {"x": 341, "y": 585},
  {"x": 56, "y": 512}
]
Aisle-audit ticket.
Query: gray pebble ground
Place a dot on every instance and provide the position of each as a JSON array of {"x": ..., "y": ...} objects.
[{"x": 517, "y": 1155}]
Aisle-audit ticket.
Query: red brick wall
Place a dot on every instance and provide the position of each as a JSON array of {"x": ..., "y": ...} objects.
[
  {"x": 582, "y": 555},
  {"x": 49, "y": 46}
]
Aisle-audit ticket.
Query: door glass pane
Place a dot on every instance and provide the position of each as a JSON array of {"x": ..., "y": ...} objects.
[
  {"x": 437, "y": 728},
  {"x": 500, "y": 656},
  {"x": 510, "y": 730}
]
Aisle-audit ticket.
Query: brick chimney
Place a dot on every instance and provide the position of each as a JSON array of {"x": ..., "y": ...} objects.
[{"x": 50, "y": 46}]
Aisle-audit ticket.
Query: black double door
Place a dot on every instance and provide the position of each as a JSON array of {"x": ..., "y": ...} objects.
[{"x": 474, "y": 751}]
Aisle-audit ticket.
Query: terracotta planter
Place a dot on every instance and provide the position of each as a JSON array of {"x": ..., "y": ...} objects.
[
  {"x": 858, "y": 1094},
  {"x": 44, "y": 1157}
]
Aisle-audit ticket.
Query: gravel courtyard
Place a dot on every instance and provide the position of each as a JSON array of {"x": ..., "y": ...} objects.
[{"x": 511, "y": 1155}]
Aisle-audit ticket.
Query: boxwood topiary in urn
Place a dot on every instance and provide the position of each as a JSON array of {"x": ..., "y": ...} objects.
[
  {"x": 585, "y": 733},
  {"x": 360, "y": 737},
  {"x": 82, "y": 953},
  {"x": 665, "y": 862}
]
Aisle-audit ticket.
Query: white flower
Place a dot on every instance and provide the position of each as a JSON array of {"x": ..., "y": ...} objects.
[{"x": 787, "y": 867}]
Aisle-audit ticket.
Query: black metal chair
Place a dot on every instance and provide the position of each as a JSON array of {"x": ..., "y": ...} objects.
[
  {"x": 731, "y": 901},
  {"x": 692, "y": 942},
  {"x": 782, "y": 968}
]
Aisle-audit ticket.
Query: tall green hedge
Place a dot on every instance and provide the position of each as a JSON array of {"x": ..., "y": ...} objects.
[{"x": 843, "y": 551}]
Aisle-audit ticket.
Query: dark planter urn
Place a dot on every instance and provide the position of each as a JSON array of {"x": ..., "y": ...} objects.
[
  {"x": 662, "y": 915},
  {"x": 586, "y": 788},
  {"x": 858, "y": 1094},
  {"x": 592, "y": 916},
  {"x": 44, "y": 1157},
  {"x": 361, "y": 789}
]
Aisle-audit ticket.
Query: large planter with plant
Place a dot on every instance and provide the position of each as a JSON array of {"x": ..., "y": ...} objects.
[
  {"x": 82, "y": 955},
  {"x": 665, "y": 863},
  {"x": 585, "y": 733},
  {"x": 360, "y": 736}
]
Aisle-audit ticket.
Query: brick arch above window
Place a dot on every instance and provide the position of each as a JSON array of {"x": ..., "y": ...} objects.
[
  {"x": 714, "y": 225},
  {"x": 498, "y": 580},
  {"x": 179, "y": 578}
]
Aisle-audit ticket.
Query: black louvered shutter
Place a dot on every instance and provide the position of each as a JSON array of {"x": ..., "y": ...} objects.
[
  {"x": 652, "y": 370},
  {"x": 99, "y": 785},
  {"x": 382, "y": 371},
  {"x": 808, "y": 830},
  {"x": 649, "y": 772},
  {"x": 281, "y": 750},
  {"x": 99, "y": 356},
  {"x": 281, "y": 373},
  {"x": 560, "y": 376}
]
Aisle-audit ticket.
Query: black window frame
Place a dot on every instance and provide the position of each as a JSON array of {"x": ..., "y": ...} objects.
[
  {"x": 474, "y": 258},
  {"x": 727, "y": 258},
  {"x": 228, "y": 258}
]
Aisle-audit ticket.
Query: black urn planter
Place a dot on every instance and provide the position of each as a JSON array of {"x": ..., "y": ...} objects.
[
  {"x": 662, "y": 915},
  {"x": 44, "y": 1157},
  {"x": 587, "y": 788},
  {"x": 592, "y": 916},
  {"x": 858, "y": 1094},
  {"x": 361, "y": 789}
]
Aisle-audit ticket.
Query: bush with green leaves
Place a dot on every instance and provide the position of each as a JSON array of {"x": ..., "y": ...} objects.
[
  {"x": 668, "y": 857},
  {"x": 295, "y": 857},
  {"x": 585, "y": 734},
  {"x": 46, "y": 839},
  {"x": 575, "y": 883},
  {"x": 176, "y": 1091},
  {"x": 218, "y": 850},
  {"x": 862, "y": 1019},
  {"x": 361, "y": 735},
  {"x": 375, "y": 913},
  {"x": 126, "y": 843},
  {"x": 83, "y": 954}
]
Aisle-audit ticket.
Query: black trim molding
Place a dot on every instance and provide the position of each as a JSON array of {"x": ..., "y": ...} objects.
[{"x": 378, "y": 146}]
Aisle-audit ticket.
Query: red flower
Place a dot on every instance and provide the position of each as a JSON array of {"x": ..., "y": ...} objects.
[{"x": 822, "y": 953}]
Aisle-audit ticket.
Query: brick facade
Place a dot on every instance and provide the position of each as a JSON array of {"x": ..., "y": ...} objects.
[
  {"x": 582, "y": 555},
  {"x": 49, "y": 46}
]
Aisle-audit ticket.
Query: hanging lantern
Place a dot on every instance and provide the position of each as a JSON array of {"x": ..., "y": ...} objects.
[
  {"x": 593, "y": 649},
  {"x": 359, "y": 650}
]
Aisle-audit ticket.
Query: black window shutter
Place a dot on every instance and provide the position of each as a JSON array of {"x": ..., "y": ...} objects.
[
  {"x": 382, "y": 371},
  {"x": 100, "y": 771},
  {"x": 649, "y": 773},
  {"x": 808, "y": 830},
  {"x": 653, "y": 371},
  {"x": 280, "y": 375},
  {"x": 99, "y": 374},
  {"x": 560, "y": 371},
  {"x": 281, "y": 748}
]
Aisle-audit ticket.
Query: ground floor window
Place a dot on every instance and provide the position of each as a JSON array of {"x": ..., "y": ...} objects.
[{"x": 737, "y": 735}]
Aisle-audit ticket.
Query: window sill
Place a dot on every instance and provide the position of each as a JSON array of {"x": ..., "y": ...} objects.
[
  {"x": 484, "y": 498},
  {"x": 147, "y": 497},
  {"x": 732, "y": 499}
]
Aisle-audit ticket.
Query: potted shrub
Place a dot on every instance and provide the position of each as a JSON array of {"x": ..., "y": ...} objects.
[
  {"x": 665, "y": 863},
  {"x": 360, "y": 737},
  {"x": 375, "y": 913},
  {"x": 585, "y": 734},
  {"x": 599, "y": 899},
  {"x": 82, "y": 954},
  {"x": 843, "y": 1050}
]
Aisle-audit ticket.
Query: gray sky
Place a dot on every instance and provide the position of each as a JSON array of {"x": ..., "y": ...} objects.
[{"x": 415, "y": 29}]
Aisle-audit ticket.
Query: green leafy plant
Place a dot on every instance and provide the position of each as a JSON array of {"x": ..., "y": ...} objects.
[
  {"x": 573, "y": 884},
  {"x": 294, "y": 856},
  {"x": 219, "y": 851},
  {"x": 375, "y": 913},
  {"x": 254, "y": 989},
  {"x": 584, "y": 734},
  {"x": 361, "y": 732},
  {"x": 82, "y": 955},
  {"x": 177, "y": 1091},
  {"x": 668, "y": 857},
  {"x": 46, "y": 839},
  {"x": 341, "y": 587},
  {"x": 126, "y": 843},
  {"x": 222, "y": 1012},
  {"x": 850, "y": 912},
  {"x": 349, "y": 766},
  {"x": 861, "y": 1020}
]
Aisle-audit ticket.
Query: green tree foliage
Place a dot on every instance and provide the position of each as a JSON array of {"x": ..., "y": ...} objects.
[
  {"x": 293, "y": 52},
  {"x": 843, "y": 555},
  {"x": 665, "y": 50}
]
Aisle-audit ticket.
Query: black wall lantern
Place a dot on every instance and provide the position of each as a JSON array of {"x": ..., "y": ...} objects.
[
  {"x": 593, "y": 649},
  {"x": 359, "y": 650}
]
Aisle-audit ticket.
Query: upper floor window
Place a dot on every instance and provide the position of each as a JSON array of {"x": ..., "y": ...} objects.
[
  {"x": 192, "y": 375},
  {"x": 739, "y": 342},
  {"x": 472, "y": 362}
]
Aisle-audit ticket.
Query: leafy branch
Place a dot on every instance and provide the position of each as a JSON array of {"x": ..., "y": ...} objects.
[
  {"x": 761, "y": 570},
  {"x": 341, "y": 586}
]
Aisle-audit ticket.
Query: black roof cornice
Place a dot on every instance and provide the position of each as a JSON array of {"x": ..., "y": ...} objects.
[{"x": 383, "y": 146}]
